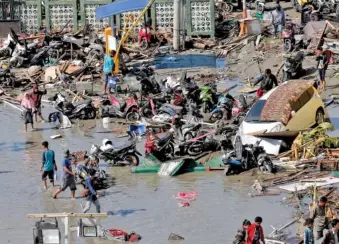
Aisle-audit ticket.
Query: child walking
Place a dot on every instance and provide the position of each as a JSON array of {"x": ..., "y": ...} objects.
[{"x": 308, "y": 234}]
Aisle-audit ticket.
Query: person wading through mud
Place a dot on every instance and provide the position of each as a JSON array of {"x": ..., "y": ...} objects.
[
  {"x": 318, "y": 215},
  {"x": 255, "y": 232},
  {"x": 108, "y": 68},
  {"x": 48, "y": 165},
  {"x": 68, "y": 179},
  {"x": 37, "y": 96},
  {"x": 27, "y": 106},
  {"x": 267, "y": 81},
  {"x": 92, "y": 196},
  {"x": 241, "y": 236}
]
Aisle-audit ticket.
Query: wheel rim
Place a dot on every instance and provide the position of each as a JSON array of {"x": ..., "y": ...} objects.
[
  {"x": 288, "y": 45},
  {"x": 83, "y": 114},
  {"x": 143, "y": 44},
  {"x": 133, "y": 116},
  {"x": 196, "y": 148},
  {"x": 147, "y": 113},
  {"x": 320, "y": 118},
  {"x": 168, "y": 151},
  {"x": 229, "y": 7},
  {"x": 131, "y": 159}
]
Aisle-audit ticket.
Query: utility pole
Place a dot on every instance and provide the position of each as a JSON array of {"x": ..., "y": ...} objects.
[{"x": 176, "y": 24}]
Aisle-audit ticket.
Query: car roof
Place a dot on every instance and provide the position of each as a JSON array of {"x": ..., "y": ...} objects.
[{"x": 278, "y": 100}]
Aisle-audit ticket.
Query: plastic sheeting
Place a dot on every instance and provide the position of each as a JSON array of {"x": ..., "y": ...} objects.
[{"x": 119, "y": 7}]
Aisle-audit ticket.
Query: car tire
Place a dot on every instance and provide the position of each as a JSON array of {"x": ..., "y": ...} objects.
[{"x": 319, "y": 116}]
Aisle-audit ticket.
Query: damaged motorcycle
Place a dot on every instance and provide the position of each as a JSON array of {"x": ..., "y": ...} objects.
[
  {"x": 125, "y": 155},
  {"x": 82, "y": 110}
]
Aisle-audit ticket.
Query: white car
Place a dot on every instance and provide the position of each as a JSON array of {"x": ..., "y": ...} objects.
[{"x": 293, "y": 106}]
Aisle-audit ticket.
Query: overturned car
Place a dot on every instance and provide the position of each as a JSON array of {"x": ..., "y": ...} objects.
[{"x": 280, "y": 114}]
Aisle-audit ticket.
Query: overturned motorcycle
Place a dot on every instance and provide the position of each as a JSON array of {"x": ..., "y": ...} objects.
[
  {"x": 82, "y": 110},
  {"x": 113, "y": 107},
  {"x": 100, "y": 179},
  {"x": 246, "y": 157},
  {"x": 162, "y": 148}
]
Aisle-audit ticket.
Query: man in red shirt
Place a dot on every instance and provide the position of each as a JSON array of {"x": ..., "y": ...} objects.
[{"x": 255, "y": 232}]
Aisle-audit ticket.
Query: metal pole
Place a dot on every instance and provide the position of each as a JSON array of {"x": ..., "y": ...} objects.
[
  {"x": 66, "y": 230},
  {"x": 183, "y": 22},
  {"x": 244, "y": 9},
  {"x": 176, "y": 25}
]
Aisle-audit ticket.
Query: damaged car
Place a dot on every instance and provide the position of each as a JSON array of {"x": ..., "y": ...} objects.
[{"x": 281, "y": 114}]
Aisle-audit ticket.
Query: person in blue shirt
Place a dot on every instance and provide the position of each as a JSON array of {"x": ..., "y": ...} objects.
[
  {"x": 308, "y": 234},
  {"x": 48, "y": 165},
  {"x": 108, "y": 68},
  {"x": 92, "y": 196},
  {"x": 68, "y": 179}
]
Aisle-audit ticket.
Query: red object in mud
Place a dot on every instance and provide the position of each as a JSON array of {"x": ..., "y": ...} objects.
[
  {"x": 184, "y": 204},
  {"x": 118, "y": 233},
  {"x": 237, "y": 109},
  {"x": 178, "y": 99},
  {"x": 260, "y": 92},
  {"x": 150, "y": 144},
  {"x": 145, "y": 33},
  {"x": 124, "y": 236}
]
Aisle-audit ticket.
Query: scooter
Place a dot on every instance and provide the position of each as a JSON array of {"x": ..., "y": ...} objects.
[
  {"x": 291, "y": 39},
  {"x": 207, "y": 98},
  {"x": 149, "y": 85},
  {"x": 162, "y": 148},
  {"x": 255, "y": 155},
  {"x": 232, "y": 165},
  {"x": 128, "y": 110},
  {"x": 82, "y": 110},
  {"x": 145, "y": 36},
  {"x": 99, "y": 181},
  {"x": 311, "y": 14},
  {"x": 195, "y": 146},
  {"x": 223, "y": 108},
  {"x": 127, "y": 155},
  {"x": 293, "y": 68}
]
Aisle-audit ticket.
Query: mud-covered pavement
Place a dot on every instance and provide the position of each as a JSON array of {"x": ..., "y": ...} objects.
[{"x": 141, "y": 203}]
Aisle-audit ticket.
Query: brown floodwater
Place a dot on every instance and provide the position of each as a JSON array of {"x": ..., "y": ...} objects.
[{"x": 141, "y": 203}]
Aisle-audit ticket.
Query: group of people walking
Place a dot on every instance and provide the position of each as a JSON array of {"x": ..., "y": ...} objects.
[
  {"x": 49, "y": 167},
  {"x": 31, "y": 105}
]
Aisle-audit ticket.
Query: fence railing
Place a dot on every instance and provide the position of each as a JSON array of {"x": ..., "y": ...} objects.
[{"x": 198, "y": 15}]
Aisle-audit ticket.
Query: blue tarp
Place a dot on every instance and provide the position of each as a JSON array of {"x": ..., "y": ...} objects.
[
  {"x": 118, "y": 7},
  {"x": 186, "y": 61}
]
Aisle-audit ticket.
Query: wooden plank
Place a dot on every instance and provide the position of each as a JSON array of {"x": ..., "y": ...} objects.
[
  {"x": 276, "y": 134},
  {"x": 333, "y": 152},
  {"x": 261, "y": 132},
  {"x": 248, "y": 89},
  {"x": 72, "y": 215}
]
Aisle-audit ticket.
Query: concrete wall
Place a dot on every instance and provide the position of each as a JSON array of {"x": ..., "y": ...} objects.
[{"x": 6, "y": 25}]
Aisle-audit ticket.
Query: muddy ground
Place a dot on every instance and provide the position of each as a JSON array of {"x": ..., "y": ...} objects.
[{"x": 141, "y": 203}]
